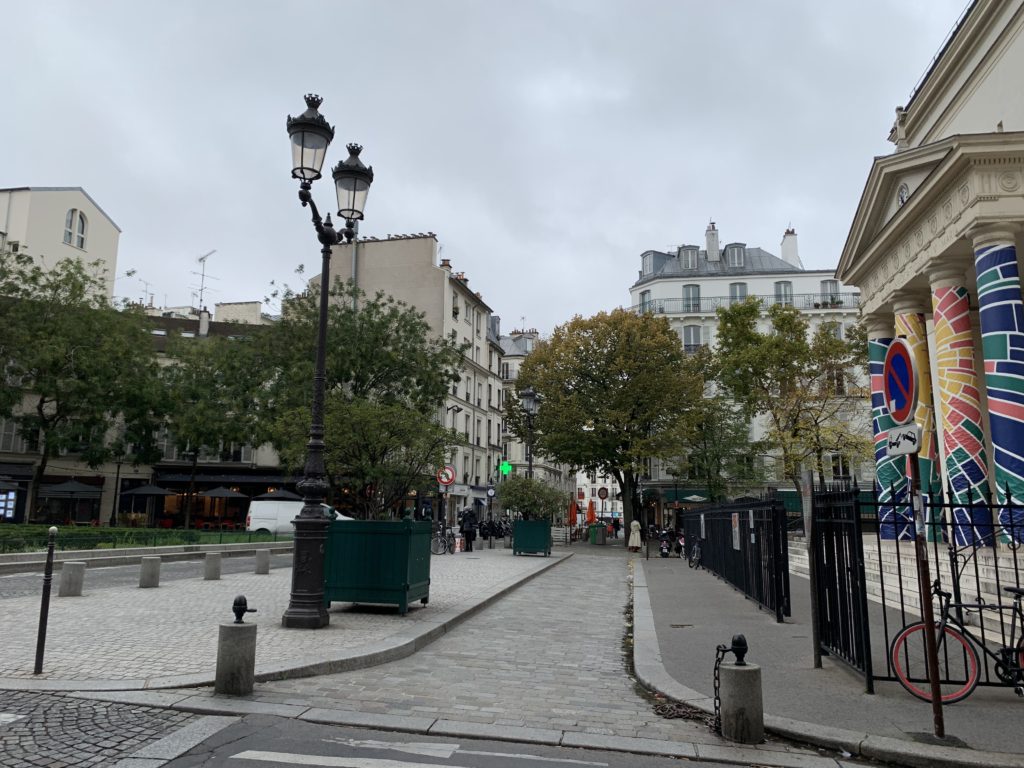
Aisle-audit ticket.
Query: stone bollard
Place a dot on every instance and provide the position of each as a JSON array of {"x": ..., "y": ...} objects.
[
  {"x": 72, "y": 576},
  {"x": 211, "y": 566},
  {"x": 262, "y": 561},
  {"x": 236, "y": 654},
  {"x": 742, "y": 705},
  {"x": 149, "y": 572}
]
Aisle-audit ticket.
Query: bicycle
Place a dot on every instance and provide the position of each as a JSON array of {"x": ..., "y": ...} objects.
[
  {"x": 694, "y": 560},
  {"x": 443, "y": 541},
  {"x": 958, "y": 662}
]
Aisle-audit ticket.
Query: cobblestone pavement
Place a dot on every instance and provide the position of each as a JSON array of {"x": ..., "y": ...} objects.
[
  {"x": 45, "y": 729},
  {"x": 144, "y": 636},
  {"x": 31, "y": 584},
  {"x": 548, "y": 655}
]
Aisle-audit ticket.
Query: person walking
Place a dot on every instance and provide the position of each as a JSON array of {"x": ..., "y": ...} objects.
[
  {"x": 634, "y": 536},
  {"x": 616, "y": 525},
  {"x": 468, "y": 529}
]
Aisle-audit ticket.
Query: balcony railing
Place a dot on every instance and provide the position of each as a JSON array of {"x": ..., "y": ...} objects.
[{"x": 707, "y": 306}]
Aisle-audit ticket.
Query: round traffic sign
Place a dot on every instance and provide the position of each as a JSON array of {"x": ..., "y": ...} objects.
[
  {"x": 446, "y": 475},
  {"x": 899, "y": 381},
  {"x": 602, "y": 493}
]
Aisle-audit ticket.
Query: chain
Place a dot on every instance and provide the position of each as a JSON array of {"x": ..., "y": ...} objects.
[{"x": 720, "y": 652}]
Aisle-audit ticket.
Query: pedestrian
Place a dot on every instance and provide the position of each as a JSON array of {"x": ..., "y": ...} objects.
[
  {"x": 634, "y": 536},
  {"x": 468, "y": 529},
  {"x": 616, "y": 525}
]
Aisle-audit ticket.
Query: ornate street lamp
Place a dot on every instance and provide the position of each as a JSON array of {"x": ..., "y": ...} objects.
[
  {"x": 310, "y": 135},
  {"x": 531, "y": 404}
]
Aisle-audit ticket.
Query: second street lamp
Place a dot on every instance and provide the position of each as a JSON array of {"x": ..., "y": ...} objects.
[
  {"x": 310, "y": 135},
  {"x": 531, "y": 404}
]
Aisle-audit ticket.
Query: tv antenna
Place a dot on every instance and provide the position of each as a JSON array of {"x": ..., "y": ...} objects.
[{"x": 202, "y": 275}]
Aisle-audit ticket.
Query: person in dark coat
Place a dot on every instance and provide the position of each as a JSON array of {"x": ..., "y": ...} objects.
[
  {"x": 616, "y": 525},
  {"x": 469, "y": 529}
]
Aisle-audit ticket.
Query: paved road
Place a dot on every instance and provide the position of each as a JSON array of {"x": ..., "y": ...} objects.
[{"x": 28, "y": 584}]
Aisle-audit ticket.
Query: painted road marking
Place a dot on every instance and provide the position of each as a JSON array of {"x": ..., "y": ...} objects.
[
  {"x": 9, "y": 717},
  {"x": 327, "y": 761}
]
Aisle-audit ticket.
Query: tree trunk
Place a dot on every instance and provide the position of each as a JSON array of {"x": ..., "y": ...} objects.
[
  {"x": 191, "y": 490},
  {"x": 31, "y": 513}
]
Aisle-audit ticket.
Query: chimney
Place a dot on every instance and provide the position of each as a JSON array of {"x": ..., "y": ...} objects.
[
  {"x": 790, "y": 254},
  {"x": 204, "y": 322},
  {"x": 446, "y": 264},
  {"x": 711, "y": 236}
]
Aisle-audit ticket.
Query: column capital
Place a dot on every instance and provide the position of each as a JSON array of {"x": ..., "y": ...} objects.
[
  {"x": 880, "y": 326},
  {"x": 993, "y": 233},
  {"x": 945, "y": 275},
  {"x": 905, "y": 303}
]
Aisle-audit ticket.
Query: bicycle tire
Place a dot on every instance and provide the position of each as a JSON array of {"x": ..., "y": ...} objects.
[
  {"x": 957, "y": 661},
  {"x": 438, "y": 546},
  {"x": 694, "y": 559}
]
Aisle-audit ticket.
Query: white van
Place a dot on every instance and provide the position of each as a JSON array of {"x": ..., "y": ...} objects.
[{"x": 275, "y": 516}]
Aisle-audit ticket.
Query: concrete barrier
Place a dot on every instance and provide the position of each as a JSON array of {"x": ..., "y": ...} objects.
[
  {"x": 72, "y": 577},
  {"x": 236, "y": 660},
  {"x": 149, "y": 572},
  {"x": 211, "y": 566},
  {"x": 262, "y": 561},
  {"x": 742, "y": 704}
]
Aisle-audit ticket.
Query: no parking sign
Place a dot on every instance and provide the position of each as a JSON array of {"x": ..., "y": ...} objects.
[{"x": 899, "y": 381}]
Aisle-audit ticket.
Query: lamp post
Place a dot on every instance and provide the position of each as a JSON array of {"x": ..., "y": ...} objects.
[
  {"x": 310, "y": 135},
  {"x": 531, "y": 404}
]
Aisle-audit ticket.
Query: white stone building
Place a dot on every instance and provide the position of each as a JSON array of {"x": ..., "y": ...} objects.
[{"x": 56, "y": 223}]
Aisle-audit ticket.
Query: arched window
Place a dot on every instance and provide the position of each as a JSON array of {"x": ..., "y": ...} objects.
[{"x": 75, "y": 228}]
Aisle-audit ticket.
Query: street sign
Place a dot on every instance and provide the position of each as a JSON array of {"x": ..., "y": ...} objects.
[
  {"x": 903, "y": 440},
  {"x": 602, "y": 493},
  {"x": 491, "y": 491},
  {"x": 446, "y": 475},
  {"x": 899, "y": 381}
]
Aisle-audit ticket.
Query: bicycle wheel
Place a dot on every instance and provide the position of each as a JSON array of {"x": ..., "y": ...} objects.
[
  {"x": 694, "y": 560},
  {"x": 437, "y": 546},
  {"x": 958, "y": 663}
]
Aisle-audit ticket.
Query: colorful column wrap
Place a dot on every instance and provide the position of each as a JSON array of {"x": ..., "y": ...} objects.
[
  {"x": 911, "y": 326},
  {"x": 962, "y": 435},
  {"x": 1002, "y": 342},
  {"x": 894, "y": 516}
]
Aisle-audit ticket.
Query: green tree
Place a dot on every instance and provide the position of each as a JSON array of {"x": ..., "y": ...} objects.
[
  {"x": 79, "y": 375},
  {"x": 803, "y": 383},
  {"x": 530, "y": 498},
  {"x": 386, "y": 377},
  {"x": 616, "y": 393}
]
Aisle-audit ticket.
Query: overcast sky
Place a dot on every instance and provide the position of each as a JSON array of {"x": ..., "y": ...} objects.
[{"x": 548, "y": 143}]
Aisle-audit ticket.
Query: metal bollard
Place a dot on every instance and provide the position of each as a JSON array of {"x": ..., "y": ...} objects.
[
  {"x": 211, "y": 566},
  {"x": 149, "y": 572},
  {"x": 236, "y": 653},
  {"x": 44, "y": 606},
  {"x": 738, "y": 699},
  {"x": 72, "y": 577},
  {"x": 262, "y": 561}
]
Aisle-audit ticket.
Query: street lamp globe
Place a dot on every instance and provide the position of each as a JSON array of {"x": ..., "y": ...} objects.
[
  {"x": 530, "y": 400},
  {"x": 352, "y": 182},
  {"x": 310, "y": 136}
]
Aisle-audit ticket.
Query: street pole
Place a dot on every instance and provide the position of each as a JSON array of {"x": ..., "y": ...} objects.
[{"x": 44, "y": 605}]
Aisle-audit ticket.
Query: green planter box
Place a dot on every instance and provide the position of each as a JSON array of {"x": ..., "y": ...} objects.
[
  {"x": 531, "y": 537},
  {"x": 378, "y": 561}
]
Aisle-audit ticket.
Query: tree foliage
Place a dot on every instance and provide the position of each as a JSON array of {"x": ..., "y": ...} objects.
[
  {"x": 617, "y": 392},
  {"x": 76, "y": 368},
  {"x": 531, "y": 499},
  {"x": 803, "y": 383}
]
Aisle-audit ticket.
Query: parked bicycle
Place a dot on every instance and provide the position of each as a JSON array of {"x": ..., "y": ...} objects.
[
  {"x": 443, "y": 541},
  {"x": 958, "y": 662},
  {"x": 694, "y": 560}
]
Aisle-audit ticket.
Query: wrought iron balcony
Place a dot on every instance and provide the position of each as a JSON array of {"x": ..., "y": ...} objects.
[{"x": 708, "y": 305}]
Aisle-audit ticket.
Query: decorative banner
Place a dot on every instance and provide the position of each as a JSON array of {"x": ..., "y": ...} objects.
[
  {"x": 1002, "y": 343},
  {"x": 890, "y": 479},
  {"x": 962, "y": 433}
]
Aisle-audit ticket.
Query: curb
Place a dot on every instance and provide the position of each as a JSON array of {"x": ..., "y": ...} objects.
[
  {"x": 398, "y": 646},
  {"x": 651, "y": 672}
]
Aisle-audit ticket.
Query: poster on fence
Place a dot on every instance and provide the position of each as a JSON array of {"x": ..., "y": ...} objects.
[{"x": 736, "y": 531}]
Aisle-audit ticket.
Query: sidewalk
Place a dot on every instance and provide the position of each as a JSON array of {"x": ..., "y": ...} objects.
[{"x": 681, "y": 615}]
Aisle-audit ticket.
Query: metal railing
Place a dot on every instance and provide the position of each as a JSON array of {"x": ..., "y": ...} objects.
[
  {"x": 708, "y": 305},
  {"x": 745, "y": 543}
]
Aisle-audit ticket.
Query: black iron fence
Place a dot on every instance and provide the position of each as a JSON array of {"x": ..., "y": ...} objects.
[
  {"x": 745, "y": 543},
  {"x": 974, "y": 550}
]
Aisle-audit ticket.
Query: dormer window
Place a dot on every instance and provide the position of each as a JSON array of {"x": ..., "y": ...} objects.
[
  {"x": 688, "y": 258},
  {"x": 647, "y": 264},
  {"x": 734, "y": 255},
  {"x": 75, "y": 228}
]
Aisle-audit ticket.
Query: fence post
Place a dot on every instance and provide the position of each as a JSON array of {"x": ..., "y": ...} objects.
[
  {"x": 862, "y": 601},
  {"x": 810, "y": 533}
]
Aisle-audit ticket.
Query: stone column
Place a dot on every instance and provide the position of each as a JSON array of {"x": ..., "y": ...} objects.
[
  {"x": 890, "y": 475},
  {"x": 962, "y": 433},
  {"x": 1002, "y": 344},
  {"x": 910, "y": 324}
]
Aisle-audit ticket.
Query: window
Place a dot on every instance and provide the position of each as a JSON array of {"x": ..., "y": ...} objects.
[
  {"x": 646, "y": 263},
  {"x": 645, "y": 300},
  {"x": 688, "y": 258},
  {"x": 784, "y": 292},
  {"x": 829, "y": 290},
  {"x": 75, "y": 228},
  {"x": 840, "y": 467},
  {"x": 10, "y": 440},
  {"x": 734, "y": 255},
  {"x": 737, "y": 292},
  {"x": 691, "y": 338},
  {"x": 7, "y": 500},
  {"x": 691, "y": 298}
]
